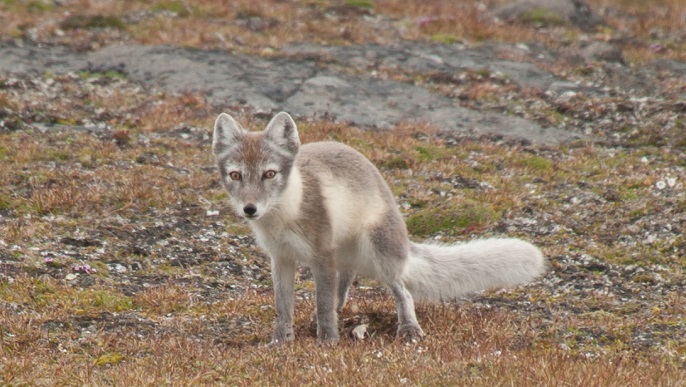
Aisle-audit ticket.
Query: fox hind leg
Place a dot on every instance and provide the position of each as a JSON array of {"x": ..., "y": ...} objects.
[
  {"x": 345, "y": 279},
  {"x": 408, "y": 327},
  {"x": 390, "y": 250}
]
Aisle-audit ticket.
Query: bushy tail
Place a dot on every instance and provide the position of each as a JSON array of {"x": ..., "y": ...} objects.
[{"x": 445, "y": 272}]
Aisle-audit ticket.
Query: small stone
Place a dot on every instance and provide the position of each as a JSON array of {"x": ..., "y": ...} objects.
[
  {"x": 633, "y": 229},
  {"x": 523, "y": 47},
  {"x": 602, "y": 51},
  {"x": 71, "y": 276},
  {"x": 359, "y": 332},
  {"x": 118, "y": 268}
]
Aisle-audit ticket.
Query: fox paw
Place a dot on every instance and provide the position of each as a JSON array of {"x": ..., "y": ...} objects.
[
  {"x": 410, "y": 333},
  {"x": 282, "y": 336},
  {"x": 276, "y": 342},
  {"x": 327, "y": 337},
  {"x": 327, "y": 342}
]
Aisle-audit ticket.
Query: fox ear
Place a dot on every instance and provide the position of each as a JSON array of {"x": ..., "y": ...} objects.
[
  {"x": 227, "y": 131},
  {"x": 282, "y": 132}
]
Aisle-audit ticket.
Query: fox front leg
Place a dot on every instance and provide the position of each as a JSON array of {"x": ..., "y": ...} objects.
[
  {"x": 327, "y": 319},
  {"x": 283, "y": 277}
]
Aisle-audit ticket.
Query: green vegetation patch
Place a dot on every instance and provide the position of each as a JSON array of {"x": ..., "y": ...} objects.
[
  {"x": 75, "y": 22},
  {"x": 34, "y": 6},
  {"x": 542, "y": 16},
  {"x": 394, "y": 163},
  {"x": 177, "y": 7},
  {"x": 445, "y": 38},
  {"x": 39, "y": 294},
  {"x": 535, "y": 163},
  {"x": 109, "y": 359},
  {"x": 367, "y": 4},
  {"x": 450, "y": 219},
  {"x": 110, "y": 301}
]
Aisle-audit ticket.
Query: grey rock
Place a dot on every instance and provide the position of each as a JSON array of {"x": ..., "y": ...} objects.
[
  {"x": 678, "y": 68},
  {"x": 430, "y": 58},
  {"x": 260, "y": 83},
  {"x": 302, "y": 87},
  {"x": 575, "y": 12}
]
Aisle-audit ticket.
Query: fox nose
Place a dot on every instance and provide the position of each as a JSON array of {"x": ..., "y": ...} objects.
[{"x": 250, "y": 209}]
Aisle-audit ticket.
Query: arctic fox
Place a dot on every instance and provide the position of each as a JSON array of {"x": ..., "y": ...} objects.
[{"x": 326, "y": 206}]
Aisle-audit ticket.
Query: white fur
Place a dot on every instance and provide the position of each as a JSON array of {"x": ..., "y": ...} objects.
[
  {"x": 349, "y": 211},
  {"x": 272, "y": 232},
  {"x": 445, "y": 272},
  {"x": 291, "y": 200}
]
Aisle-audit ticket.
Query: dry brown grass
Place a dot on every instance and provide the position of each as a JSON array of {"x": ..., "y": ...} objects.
[
  {"x": 457, "y": 20},
  {"x": 478, "y": 347},
  {"x": 647, "y": 29},
  {"x": 169, "y": 333},
  {"x": 163, "y": 299},
  {"x": 145, "y": 183},
  {"x": 643, "y": 30},
  {"x": 646, "y": 17}
]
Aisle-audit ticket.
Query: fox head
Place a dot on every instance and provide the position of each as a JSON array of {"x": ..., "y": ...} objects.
[{"x": 255, "y": 166}]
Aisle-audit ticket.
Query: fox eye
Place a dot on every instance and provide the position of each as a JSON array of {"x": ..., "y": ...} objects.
[
  {"x": 269, "y": 174},
  {"x": 235, "y": 175}
]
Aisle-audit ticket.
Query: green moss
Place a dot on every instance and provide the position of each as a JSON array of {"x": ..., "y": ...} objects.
[
  {"x": 220, "y": 197},
  {"x": 445, "y": 38},
  {"x": 30, "y": 6},
  {"x": 483, "y": 72},
  {"x": 424, "y": 153},
  {"x": 75, "y": 22},
  {"x": 543, "y": 17},
  {"x": 430, "y": 152},
  {"x": 178, "y": 7},
  {"x": 6, "y": 201},
  {"x": 102, "y": 269},
  {"x": 417, "y": 203},
  {"x": 109, "y": 359},
  {"x": 42, "y": 287},
  {"x": 58, "y": 155},
  {"x": 39, "y": 6},
  {"x": 110, "y": 301},
  {"x": 536, "y": 163},
  {"x": 394, "y": 163},
  {"x": 66, "y": 121},
  {"x": 452, "y": 220},
  {"x": 368, "y": 4}
]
